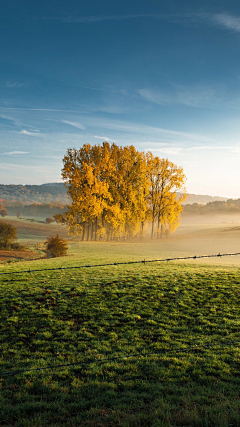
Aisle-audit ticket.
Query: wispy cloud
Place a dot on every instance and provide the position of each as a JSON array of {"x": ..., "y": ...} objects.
[
  {"x": 26, "y": 132},
  {"x": 212, "y": 147},
  {"x": 146, "y": 130},
  {"x": 39, "y": 109},
  {"x": 223, "y": 20},
  {"x": 11, "y": 166},
  {"x": 166, "y": 150},
  {"x": 75, "y": 124},
  {"x": 193, "y": 96},
  {"x": 10, "y": 119},
  {"x": 227, "y": 21},
  {"x": 231, "y": 148},
  {"x": 104, "y": 138},
  {"x": 16, "y": 152},
  {"x": 12, "y": 84},
  {"x": 98, "y": 18}
]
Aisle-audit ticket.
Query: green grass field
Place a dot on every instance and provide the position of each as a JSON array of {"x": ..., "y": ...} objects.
[{"x": 179, "y": 319}]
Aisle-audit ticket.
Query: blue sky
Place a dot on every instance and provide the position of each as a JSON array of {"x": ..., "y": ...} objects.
[{"x": 161, "y": 75}]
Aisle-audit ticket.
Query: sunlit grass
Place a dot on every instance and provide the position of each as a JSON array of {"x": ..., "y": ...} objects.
[{"x": 82, "y": 315}]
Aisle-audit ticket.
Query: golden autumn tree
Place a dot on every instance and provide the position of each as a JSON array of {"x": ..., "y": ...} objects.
[
  {"x": 116, "y": 190},
  {"x": 166, "y": 179},
  {"x": 128, "y": 186},
  {"x": 82, "y": 173},
  {"x": 108, "y": 186}
]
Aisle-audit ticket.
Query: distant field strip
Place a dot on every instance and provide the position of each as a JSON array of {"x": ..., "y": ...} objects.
[{"x": 121, "y": 263}]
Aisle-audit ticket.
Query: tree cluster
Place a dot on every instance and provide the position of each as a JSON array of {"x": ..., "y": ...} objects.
[{"x": 117, "y": 191}]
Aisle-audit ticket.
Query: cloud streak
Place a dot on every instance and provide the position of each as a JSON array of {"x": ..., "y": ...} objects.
[
  {"x": 74, "y": 124},
  {"x": 227, "y": 21},
  {"x": 26, "y": 132},
  {"x": 16, "y": 152},
  {"x": 223, "y": 20},
  {"x": 104, "y": 138},
  {"x": 195, "y": 96},
  {"x": 99, "y": 18}
]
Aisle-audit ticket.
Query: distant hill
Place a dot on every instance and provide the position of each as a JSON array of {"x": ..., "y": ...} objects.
[
  {"x": 56, "y": 192},
  {"x": 202, "y": 200},
  {"x": 230, "y": 206},
  {"x": 45, "y": 193}
]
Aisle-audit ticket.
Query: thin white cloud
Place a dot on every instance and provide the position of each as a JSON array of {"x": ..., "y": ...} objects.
[
  {"x": 17, "y": 152},
  {"x": 213, "y": 147},
  {"x": 75, "y": 124},
  {"x": 227, "y": 21},
  {"x": 11, "y": 84},
  {"x": 26, "y": 132},
  {"x": 98, "y": 18},
  {"x": 166, "y": 150},
  {"x": 223, "y": 19},
  {"x": 146, "y": 130},
  {"x": 193, "y": 96},
  {"x": 39, "y": 109},
  {"x": 104, "y": 138},
  {"x": 10, "y": 119},
  {"x": 11, "y": 166}
]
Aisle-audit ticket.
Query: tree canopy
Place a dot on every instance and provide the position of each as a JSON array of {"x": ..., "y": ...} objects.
[{"x": 116, "y": 191}]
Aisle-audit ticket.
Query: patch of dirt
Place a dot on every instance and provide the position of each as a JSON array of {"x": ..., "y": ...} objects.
[
  {"x": 6, "y": 255},
  {"x": 232, "y": 229}
]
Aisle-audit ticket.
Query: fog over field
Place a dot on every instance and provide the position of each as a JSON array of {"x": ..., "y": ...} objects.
[{"x": 196, "y": 235}]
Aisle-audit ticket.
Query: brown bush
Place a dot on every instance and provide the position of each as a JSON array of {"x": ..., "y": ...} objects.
[
  {"x": 56, "y": 245},
  {"x": 49, "y": 220}
]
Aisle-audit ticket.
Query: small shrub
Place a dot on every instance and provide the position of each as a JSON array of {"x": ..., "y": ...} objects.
[
  {"x": 49, "y": 220},
  {"x": 18, "y": 247},
  {"x": 56, "y": 245},
  {"x": 18, "y": 215}
]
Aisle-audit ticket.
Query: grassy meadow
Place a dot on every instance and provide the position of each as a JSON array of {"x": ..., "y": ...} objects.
[{"x": 178, "y": 318}]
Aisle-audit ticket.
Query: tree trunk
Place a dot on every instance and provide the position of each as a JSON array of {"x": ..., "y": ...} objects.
[
  {"x": 152, "y": 229},
  {"x": 88, "y": 233},
  {"x": 95, "y": 237},
  {"x": 92, "y": 231},
  {"x": 83, "y": 233},
  {"x": 161, "y": 231}
]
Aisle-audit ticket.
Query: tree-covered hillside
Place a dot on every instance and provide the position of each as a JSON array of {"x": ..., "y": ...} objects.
[
  {"x": 45, "y": 193},
  {"x": 228, "y": 206}
]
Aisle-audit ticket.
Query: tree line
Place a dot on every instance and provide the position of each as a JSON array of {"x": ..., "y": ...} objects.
[
  {"x": 8, "y": 207},
  {"x": 117, "y": 192},
  {"x": 230, "y": 206}
]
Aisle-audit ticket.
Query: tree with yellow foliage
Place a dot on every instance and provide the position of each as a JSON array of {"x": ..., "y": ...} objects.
[
  {"x": 82, "y": 173},
  {"x": 116, "y": 190},
  {"x": 128, "y": 185},
  {"x": 166, "y": 179},
  {"x": 107, "y": 185}
]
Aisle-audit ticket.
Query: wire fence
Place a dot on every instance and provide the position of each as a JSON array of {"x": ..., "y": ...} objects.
[
  {"x": 125, "y": 356},
  {"x": 120, "y": 263}
]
